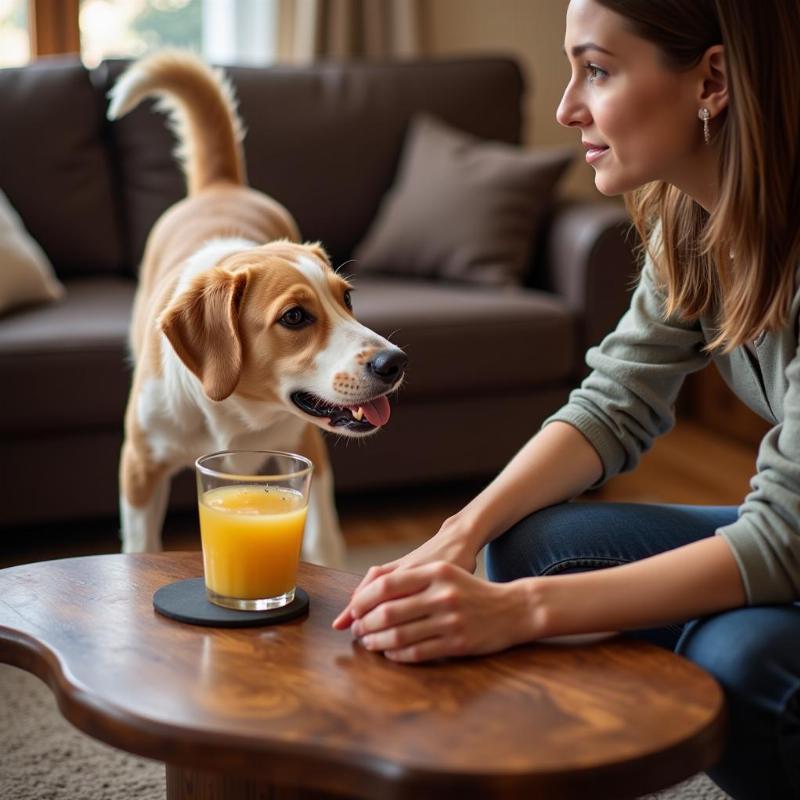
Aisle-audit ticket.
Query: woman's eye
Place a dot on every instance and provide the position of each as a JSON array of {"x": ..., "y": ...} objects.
[
  {"x": 296, "y": 317},
  {"x": 594, "y": 73},
  {"x": 348, "y": 300}
]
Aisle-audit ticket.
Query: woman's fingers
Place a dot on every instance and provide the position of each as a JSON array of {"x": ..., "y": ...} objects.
[
  {"x": 345, "y": 618},
  {"x": 403, "y": 636},
  {"x": 395, "y": 612},
  {"x": 391, "y": 586},
  {"x": 453, "y": 613},
  {"x": 427, "y": 650},
  {"x": 375, "y": 572},
  {"x": 435, "y": 550},
  {"x": 343, "y": 621}
]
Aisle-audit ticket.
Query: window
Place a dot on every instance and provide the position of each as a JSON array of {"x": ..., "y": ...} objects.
[
  {"x": 129, "y": 28},
  {"x": 240, "y": 31},
  {"x": 14, "y": 41},
  {"x": 224, "y": 31}
]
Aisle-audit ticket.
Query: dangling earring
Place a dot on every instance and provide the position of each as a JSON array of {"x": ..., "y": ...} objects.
[{"x": 705, "y": 115}]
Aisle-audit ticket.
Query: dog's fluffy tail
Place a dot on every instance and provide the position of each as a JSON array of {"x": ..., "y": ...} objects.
[{"x": 201, "y": 106}]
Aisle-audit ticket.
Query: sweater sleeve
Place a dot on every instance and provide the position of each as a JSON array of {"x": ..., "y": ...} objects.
[
  {"x": 628, "y": 399},
  {"x": 765, "y": 538}
]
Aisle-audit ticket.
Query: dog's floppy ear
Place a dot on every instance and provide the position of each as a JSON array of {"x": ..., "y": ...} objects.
[
  {"x": 202, "y": 325},
  {"x": 318, "y": 250}
]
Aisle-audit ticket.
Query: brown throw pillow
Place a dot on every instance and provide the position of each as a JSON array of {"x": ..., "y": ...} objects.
[{"x": 462, "y": 208}]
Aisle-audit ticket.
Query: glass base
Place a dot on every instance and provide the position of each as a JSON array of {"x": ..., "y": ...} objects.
[{"x": 258, "y": 604}]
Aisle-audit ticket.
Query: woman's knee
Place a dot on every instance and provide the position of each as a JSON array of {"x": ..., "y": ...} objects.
[
  {"x": 749, "y": 650},
  {"x": 579, "y": 536},
  {"x": 753, "y": 654},
  {"x": 536, "y": 543}
]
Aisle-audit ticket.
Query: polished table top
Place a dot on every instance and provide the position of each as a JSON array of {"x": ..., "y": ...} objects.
[{"x": 307, "y": 707}]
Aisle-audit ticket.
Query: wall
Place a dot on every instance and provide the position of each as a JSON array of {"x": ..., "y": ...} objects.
[{"x": 532, "y": 31}]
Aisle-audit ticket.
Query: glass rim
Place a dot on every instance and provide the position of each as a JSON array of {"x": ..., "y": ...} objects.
[{"x": 300, "y": 473}]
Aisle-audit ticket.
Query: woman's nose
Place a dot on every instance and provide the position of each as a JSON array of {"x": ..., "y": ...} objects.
[{"x": 571, "y": 112}]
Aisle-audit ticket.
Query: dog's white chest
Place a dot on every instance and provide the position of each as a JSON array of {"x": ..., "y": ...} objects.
[
  {"x": 179, "y": 429},
  {"x": 175, "y": 428}
]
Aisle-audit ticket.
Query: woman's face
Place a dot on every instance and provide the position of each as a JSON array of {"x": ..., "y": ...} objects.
[{"x": 637, "y": 118}]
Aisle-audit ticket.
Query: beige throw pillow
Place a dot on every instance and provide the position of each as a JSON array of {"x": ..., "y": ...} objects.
[
  {"x": 462, "y": 208},
  {"x": 26, "y": 275}
]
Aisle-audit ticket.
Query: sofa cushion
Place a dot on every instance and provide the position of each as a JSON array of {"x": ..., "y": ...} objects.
[
  {"x": 67, "y": 362},
  {"x": 458, "y": 338},
  {"x": 469, "y": 339},
  {"x": 26, "y": 274},
  {"x": 462, "y": 208},
  {"x": 54, "y": 166},
  {"x": 324, "y": 140}
]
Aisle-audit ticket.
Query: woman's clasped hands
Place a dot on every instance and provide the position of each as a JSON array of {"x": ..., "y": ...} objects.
[{"x": 416, "y": 609}]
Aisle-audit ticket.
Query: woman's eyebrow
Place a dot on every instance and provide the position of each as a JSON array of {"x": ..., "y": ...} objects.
[{"x": 580, "y": 49}]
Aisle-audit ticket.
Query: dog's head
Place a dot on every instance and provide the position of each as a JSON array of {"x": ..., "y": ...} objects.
[{"x": 275, "y": 324}]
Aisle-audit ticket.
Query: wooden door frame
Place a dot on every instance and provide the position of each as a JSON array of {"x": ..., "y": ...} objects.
[{"x": 53, "y": 27}]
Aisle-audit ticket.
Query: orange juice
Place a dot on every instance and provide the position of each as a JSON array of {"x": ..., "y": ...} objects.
[{"x": 251, "y": 540}]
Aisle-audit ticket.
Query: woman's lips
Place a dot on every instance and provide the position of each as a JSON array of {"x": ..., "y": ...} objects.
[{"x": 593, "y": 153}]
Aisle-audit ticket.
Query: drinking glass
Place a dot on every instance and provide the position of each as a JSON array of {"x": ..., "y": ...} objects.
[{"x": 252, "y": 507}]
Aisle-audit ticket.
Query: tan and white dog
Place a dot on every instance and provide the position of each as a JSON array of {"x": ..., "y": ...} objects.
[{"x": 242, "y": 337}]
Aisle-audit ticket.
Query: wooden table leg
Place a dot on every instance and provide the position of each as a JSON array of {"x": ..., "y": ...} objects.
[{"x": 191, "y": 784}]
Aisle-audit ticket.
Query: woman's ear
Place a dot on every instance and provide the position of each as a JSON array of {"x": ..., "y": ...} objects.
[{"x": 714, "y": 76}]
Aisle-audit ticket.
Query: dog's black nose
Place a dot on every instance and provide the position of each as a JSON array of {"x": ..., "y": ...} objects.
[{"x": 388, "y": 365}]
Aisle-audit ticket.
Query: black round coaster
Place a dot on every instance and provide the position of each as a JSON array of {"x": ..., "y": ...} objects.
[{"x": 186, "y": 601}]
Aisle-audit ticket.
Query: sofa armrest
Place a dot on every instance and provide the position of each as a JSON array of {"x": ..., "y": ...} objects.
[{"x": 589, "y": 260}]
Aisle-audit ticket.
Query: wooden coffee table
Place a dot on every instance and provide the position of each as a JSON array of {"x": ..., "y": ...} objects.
[{"x": 300, "y": 711}]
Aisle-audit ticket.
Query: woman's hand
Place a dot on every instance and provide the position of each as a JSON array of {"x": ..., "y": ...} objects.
[
  {"x": 438, "y": 610},
  {"x": 450, "y": 544}
]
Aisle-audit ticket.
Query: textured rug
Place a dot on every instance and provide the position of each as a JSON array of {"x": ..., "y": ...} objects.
[{"x": 42, "y": 757}]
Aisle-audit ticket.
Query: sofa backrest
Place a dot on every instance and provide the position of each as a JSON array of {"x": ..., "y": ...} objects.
[
  {"x": 54, "y": 166},
  {"x": 324, "y": 140}
]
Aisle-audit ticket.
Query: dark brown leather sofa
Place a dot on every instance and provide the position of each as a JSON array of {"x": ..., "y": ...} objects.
[{"x": 325, "y": 141}]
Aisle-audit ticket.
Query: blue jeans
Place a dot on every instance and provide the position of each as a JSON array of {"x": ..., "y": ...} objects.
[{"x": 754, "y": 652}]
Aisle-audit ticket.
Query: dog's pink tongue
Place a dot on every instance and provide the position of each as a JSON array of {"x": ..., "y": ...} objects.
[{"x": 376, "y": 411}]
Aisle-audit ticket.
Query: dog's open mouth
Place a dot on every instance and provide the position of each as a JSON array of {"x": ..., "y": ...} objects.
[{"x": 364, "y": 417}]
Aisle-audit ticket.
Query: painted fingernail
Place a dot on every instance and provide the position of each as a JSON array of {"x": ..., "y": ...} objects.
[{"x": 367, "y": 642}]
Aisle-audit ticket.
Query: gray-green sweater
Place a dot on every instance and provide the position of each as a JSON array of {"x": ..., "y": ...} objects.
[{"x": 629, "y": 399}]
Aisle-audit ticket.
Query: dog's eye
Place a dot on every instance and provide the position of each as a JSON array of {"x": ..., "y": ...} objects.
[
  {"x": 296, "y": 317},
  {"x": 348, "y": 300}
]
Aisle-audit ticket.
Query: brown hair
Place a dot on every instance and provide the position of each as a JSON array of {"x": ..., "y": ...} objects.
[{"x": 739, "y": 260}]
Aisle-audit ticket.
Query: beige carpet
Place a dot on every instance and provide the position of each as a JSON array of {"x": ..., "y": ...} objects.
[{"x": 42, "y": 757}]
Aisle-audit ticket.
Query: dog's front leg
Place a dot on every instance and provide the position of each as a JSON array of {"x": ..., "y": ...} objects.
[
  {"x": 144, "y": 492},
  {"x": 141, "y": 525},
  {"x": 323, "y": 542}
]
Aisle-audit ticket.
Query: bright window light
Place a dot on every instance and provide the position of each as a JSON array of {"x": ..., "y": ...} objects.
[
  {"x": 14, "y": 42},
  {"x": 224, "y": 31}
]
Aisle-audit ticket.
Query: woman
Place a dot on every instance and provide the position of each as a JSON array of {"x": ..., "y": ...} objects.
[{"x": 691, "y": 108}]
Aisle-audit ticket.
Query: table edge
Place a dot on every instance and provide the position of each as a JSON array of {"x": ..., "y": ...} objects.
[{"x": 378, "y": 777}]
